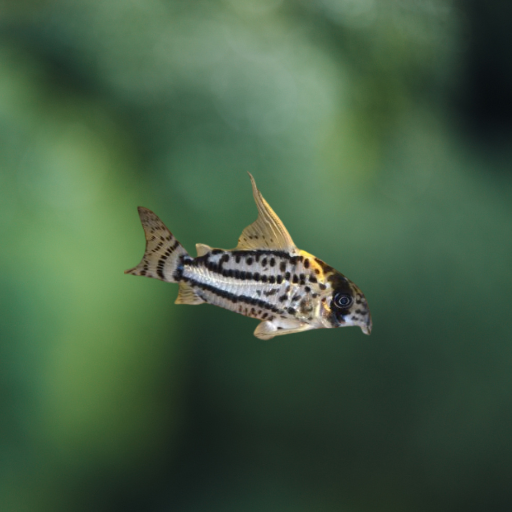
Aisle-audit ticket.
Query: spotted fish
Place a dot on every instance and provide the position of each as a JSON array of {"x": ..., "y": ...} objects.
[{"x": 265, "y": 277}]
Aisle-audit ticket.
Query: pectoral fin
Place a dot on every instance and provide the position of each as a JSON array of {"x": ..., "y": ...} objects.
[
  {"x": 267, "y": 232},
  {"x": 266, "y": 330},
  {"x": 187, "y": 295}
]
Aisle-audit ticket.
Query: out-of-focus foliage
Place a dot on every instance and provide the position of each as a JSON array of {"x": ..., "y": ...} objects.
[{"x": 380, "y": 131}]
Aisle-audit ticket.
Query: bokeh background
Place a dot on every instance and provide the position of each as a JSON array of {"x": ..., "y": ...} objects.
[{"x": 379, "y": 131}]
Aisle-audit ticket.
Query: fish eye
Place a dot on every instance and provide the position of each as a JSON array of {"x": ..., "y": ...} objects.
[{"x": 342, "y": 300}]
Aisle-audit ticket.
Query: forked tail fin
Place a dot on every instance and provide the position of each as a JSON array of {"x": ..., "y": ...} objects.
[{"x": 163, "y": 251}]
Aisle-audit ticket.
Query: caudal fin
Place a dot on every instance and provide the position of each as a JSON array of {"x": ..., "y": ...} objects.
[{"x": 163, "y": 251}]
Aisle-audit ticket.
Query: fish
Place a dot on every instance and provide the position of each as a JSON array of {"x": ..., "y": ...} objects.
[{"x": 265, "y": 277}]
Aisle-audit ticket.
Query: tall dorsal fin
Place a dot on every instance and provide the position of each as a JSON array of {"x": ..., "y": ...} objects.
[{"x": 267, "y": 231}]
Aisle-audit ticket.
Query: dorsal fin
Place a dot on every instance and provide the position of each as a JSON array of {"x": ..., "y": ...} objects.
[
  {"x": 267, "y": 231},
  {"x": 202, "y": 249}
]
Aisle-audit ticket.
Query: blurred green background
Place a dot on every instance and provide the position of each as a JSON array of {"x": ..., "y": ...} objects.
[{"x": 379, "y": 131}]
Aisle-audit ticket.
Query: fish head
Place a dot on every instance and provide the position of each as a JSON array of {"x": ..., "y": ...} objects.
[{"x": 347, "y": 305}]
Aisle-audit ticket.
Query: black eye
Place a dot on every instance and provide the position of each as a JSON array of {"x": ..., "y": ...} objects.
[{"x": 342, "y": 300}]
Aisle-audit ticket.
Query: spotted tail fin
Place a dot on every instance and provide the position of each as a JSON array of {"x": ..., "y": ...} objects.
[{"x": 163, "y": 251}]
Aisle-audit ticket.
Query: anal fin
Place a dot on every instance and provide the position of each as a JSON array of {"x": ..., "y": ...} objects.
[{"x": 187, "y": 295}]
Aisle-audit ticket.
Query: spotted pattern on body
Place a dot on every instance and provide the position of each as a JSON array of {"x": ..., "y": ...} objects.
[{"x": 265, "y": 277}]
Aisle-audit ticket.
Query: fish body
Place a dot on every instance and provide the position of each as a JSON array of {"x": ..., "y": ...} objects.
[{"x": 265, "y": 277}]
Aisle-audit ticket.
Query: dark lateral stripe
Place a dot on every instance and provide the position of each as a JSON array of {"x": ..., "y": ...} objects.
[{"x": 231, "y": 296}]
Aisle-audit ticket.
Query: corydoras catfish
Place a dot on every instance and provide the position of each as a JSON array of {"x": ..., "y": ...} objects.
[{"x": 264, "y": 277}]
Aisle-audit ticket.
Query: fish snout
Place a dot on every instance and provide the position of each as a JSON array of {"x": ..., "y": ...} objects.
[
  {"x": 366, "y": 322},
  {"x": 366, "y": 327}
]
